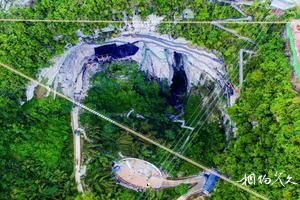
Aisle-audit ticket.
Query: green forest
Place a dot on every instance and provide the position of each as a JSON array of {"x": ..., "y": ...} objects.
[
  {"x": 127, "y": 89},
  {"x": 36, "y": 149}
]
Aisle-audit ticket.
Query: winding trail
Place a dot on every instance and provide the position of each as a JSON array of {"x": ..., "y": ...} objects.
[
  {"x": 236, "y": 5},
  {"x": 241, "y": 64}
]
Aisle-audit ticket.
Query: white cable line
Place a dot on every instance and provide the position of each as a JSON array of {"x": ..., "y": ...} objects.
[
  {"x": 133, "y": 132},
  {"x": 132, "y": 21},
  {"x": 206, "y": 108},
  {"x": 193, "y": 133},
  {"x": 202, "y": 109},
  {"x": 253, "y": 47},
  {"x": 193, "y": 136}
]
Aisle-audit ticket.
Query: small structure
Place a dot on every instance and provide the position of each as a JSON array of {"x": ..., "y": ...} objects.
[
  {"x": 116, "y": 52},
  {"x": 210, "y": 182},
  {"x": 138, "y": 175}
]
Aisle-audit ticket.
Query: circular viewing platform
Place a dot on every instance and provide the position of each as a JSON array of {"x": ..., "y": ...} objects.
[{"x": 137, "y": 174}]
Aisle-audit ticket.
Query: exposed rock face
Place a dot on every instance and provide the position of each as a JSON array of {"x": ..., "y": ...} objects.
[
  {"x": 295, "y": 82},
  {"x": 67, "y": 72},
  {"x": 155, "y": 56},
  {"x": 187, "y": 14},
  {"x": 6, "y": 4},
  {"x": 160, "y": 56},
  {"x": 284, "y": 4},
  {"x": 71, "y": 71}
]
